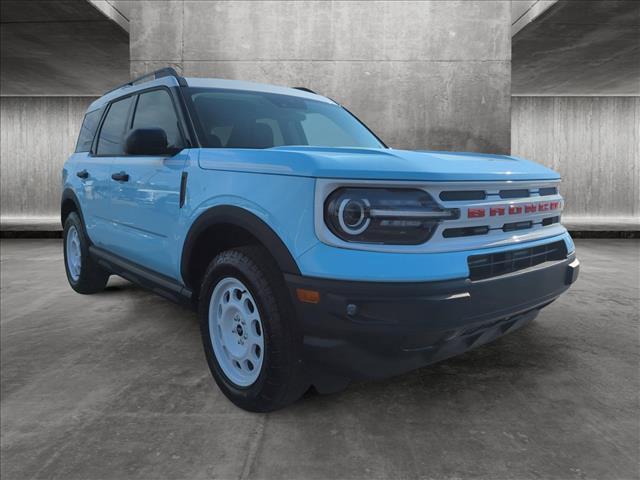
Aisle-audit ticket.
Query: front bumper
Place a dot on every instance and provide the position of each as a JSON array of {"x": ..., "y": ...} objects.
[{"x": 367, "y": 330}]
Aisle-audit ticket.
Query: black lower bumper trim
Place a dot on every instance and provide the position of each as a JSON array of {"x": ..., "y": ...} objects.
[{"x": 367, "y": 330}]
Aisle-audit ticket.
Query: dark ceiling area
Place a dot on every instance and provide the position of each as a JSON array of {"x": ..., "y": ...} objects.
[
  {"x": 579, "y": 48},
  {"x": 60, "y": 48}
]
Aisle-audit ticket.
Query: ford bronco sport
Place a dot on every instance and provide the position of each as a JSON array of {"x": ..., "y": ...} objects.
[{"x": 315, "y": 254}]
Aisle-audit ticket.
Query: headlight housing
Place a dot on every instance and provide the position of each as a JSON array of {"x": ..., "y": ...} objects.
[{"x": 394, "y": 216}]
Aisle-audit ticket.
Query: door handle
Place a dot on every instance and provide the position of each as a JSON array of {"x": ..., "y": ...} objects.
[
  {"x": 121, "y": 176},
  {"x": 82, "y": 174}
]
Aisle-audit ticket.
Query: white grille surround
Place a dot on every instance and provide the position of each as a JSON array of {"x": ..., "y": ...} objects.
[{"x": 495, "y": 236}]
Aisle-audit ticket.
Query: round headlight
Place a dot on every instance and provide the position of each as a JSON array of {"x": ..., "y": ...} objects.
[
  {"x": 396, "y": 216},
  {"x": 353, "y": 215}
]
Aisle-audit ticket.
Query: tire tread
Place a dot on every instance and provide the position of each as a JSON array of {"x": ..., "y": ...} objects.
[{"x": 283, "y": 382}]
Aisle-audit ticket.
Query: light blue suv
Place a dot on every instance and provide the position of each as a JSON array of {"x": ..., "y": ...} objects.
[{"x": 315, "y": 254}]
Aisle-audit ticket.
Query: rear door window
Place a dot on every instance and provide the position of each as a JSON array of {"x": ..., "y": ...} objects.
[
  {"x": 111, "y": 141},
  {"x": 88, "y": 130},
  {"x": 155, "y": 110}
]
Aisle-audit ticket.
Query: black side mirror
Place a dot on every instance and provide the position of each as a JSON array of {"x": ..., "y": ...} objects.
[{"x": 148, "y": 141}]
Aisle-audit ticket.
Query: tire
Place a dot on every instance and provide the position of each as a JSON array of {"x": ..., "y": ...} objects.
[
  {"x": 235, "y": 281},
  {"x": 83, "y": 273}
]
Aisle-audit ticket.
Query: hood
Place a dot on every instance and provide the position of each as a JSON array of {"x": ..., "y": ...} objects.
[{"x": 375, "y": 164}]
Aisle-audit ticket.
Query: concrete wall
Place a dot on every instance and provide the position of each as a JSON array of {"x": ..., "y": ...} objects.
[
  {"x": 37, "y": 135},
  {"x": 422, "y": 74},
  {"x": 594, "y": 142}
]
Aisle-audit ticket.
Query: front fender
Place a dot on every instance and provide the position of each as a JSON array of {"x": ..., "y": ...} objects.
[{"x": 240, "y": 217}]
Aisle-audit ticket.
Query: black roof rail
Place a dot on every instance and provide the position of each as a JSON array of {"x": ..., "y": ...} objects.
[
  {"x": 163, "y": 72},
  {"x": 305, "y": 89}
]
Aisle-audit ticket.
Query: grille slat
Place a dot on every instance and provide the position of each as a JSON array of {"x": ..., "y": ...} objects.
[
  {"x": 550, "y": 220},
  {"x": 501, "y": 263},
  {"x": 515, "y": 193},
  {"x": 460, "y": 195},
  {"x": 511, "y": 227},
  {"x": 465, "y": 231},
  {"x": 543, "y": 192}
]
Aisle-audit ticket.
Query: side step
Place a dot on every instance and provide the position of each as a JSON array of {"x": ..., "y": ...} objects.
[{"x": 148, "y": 279}]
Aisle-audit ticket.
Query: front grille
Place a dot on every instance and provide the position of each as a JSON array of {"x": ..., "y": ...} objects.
[
  {"x": 502, "y": 263},
  {"x": 510, "y": 193}
]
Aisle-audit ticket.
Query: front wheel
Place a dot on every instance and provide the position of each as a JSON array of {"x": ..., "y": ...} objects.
[
  {"x": 84, "y": 274},
  {"x": 249, "y": 331}
]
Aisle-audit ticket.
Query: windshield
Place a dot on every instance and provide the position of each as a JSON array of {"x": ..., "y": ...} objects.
[{"x": 244, "y": 119}]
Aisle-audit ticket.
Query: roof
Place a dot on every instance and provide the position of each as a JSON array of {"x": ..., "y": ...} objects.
[
  {"x": 169, "y": 81},
  {"x": 253, "y": 87}
]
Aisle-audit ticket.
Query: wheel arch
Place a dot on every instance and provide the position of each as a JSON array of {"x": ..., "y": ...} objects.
[
  {"x": 240, "y": 222},
  {"x": 69, "y": 203}
]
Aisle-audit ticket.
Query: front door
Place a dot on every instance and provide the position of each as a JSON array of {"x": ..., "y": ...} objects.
[{"x": 145, "y": 198}]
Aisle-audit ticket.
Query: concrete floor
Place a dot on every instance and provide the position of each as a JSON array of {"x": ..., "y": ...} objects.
[{"x": 116, "y": 386}]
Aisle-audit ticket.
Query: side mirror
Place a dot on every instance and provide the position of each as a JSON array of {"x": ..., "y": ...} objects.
[{"x": 148, "y": 141}]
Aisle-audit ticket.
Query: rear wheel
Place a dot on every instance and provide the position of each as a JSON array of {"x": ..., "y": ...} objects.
[
  {"x": 249, "y": 331},
  {"x": 83, "y": 273}
]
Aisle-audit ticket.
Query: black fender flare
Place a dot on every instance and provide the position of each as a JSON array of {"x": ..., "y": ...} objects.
[
  {"x": 228, "y": 214},
  {"x": 69, "y": 194}
]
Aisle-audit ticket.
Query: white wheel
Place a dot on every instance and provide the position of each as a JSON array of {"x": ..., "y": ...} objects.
[
  {"x": 84, "y": 274},
  {"x": 74, "y": 253},
  {"x": 237, "y": 336}
]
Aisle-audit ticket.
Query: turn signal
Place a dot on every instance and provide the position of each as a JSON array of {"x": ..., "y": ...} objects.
[{"x": 308, "y": 296}]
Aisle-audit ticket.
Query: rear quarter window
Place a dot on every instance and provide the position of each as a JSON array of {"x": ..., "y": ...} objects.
[
  {"x": 111, "y": 139},
  {"x": 88, "y": 130}
]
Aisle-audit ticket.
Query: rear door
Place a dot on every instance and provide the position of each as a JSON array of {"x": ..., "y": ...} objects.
[
  {"x": 88, "y": 175},
  {"x": 95, "y": 171},
  {"x": 145, "y": 200}
]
